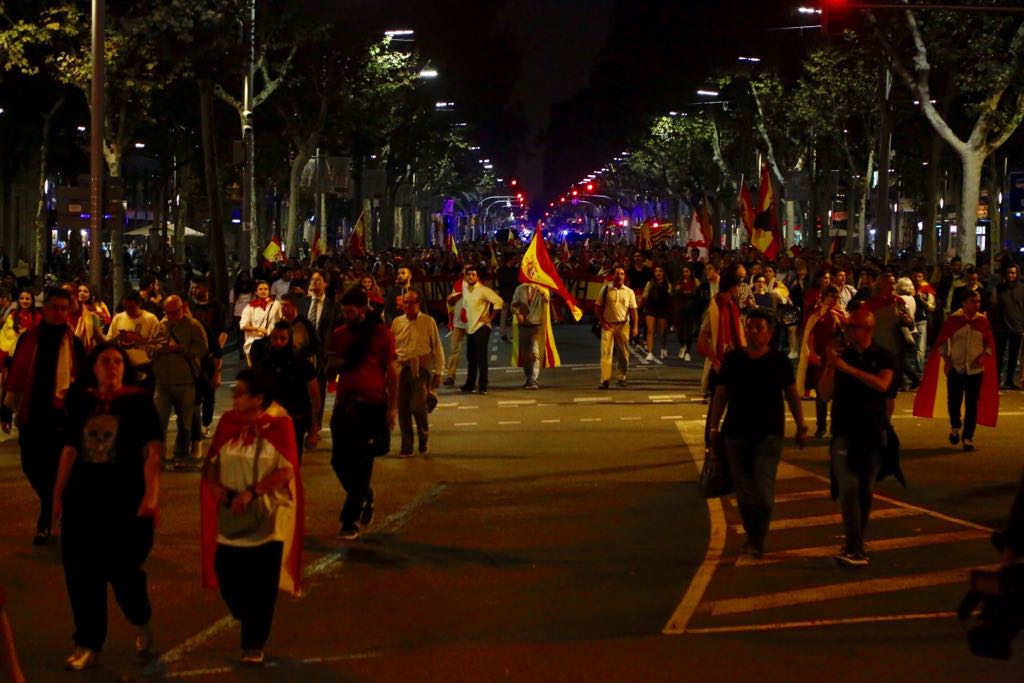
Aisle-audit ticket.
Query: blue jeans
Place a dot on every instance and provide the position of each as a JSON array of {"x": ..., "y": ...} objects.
[
  {"x": 854, "y": 485},
  {"x": 753, "y": 464}
]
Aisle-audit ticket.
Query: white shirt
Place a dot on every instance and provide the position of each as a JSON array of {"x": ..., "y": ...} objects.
[
  {"x": 477, "y": 299},
  {"x": 418, "y": 339},
  {"x": 279, "y": 288},
  {"x": 618, "y": 301},
  {"x": 964, "y": 348},
  {"x": 143, "y": 326},
  {"x": 263, "y": 318}
]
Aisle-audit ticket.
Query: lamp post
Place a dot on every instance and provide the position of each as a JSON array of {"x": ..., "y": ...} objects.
[
  {"x": 96, "y": 148},
  {"x": 245, "y": 246}
]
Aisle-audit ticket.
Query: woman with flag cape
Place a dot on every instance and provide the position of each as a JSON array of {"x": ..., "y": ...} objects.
[
  {"x": 252, "y": 511},
  {"x": 824, "y": 323},
  {"x": 964, "y": 353}
]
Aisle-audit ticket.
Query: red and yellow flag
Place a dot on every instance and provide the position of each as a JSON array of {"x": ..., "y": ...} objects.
[
  {"x": 357, "y": 241},
  {"x": 747, "y": 210},
  {"x": 273, "y": 251},
  {"x": 318, "y": 248},
  {"x": 766, "y": 222},
  {"x": 538, "y": 268},
  {"x": 494, "y": 258}
]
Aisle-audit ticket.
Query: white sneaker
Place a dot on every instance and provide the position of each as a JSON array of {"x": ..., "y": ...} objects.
[
  {"x": 686, "y": 356},
  {"x": 793, "y": 355},
  {"x": 649, "y": 356},
  {"x": 683, "y": 355},
  {"x": 664, "y": 353}
]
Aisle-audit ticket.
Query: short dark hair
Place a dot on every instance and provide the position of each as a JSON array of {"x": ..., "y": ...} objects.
[
  {"x": 761, "y": 314},
  {"x": 282, "y": 325},
  {"x": 287, "y": 297},
  {"x": 972, "y": 294},
  {"x": 830, "y": 290},
  {"x": 355, "y": 296},
  {"x": 470, "y": 269},
  {"x": 258, "y": 383},
  {"x": 133, "y": 296},
  {"x": 201, "y": 281},
  {"x": 56, "y": 292}
]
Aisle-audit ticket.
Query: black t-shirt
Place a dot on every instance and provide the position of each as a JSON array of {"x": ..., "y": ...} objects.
[
  {"x": 857, "y": 409},
  {"x": 108, "y": 474},
  {"x": 639, "y": 277},
  {"x": 291, "y": 375},
  {"x": 756, "y": 393}
]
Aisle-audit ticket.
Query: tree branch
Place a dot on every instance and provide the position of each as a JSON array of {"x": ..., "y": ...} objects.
[
  {"x": 1009, "y": 128},
  {"x": 763, "y": 130},
  {"x": 225, "y": 96},
  {"x": 269, "y": 86}
]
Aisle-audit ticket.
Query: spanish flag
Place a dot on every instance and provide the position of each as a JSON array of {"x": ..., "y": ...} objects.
[
  {"x": 357, "y": 241},
  {"x": 932, "y": 391},
  {"x": 564, "y": 255},
  {"x": 766, "y": 222},
  {"x": 747, "y": 210},
  {"x": 538, "y": 268},
  {"x": 273, "y": 253},
  {"x": 318, "y": 248},
  {"x": 550, "y": 359}
]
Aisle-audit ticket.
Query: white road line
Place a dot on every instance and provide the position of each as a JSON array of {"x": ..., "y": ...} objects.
[
  {"x": 469, "y": 407},
  {"x": 825, "y": 520},
  {"x": 812, "y": 623},
  {"x": 447, "y": 405},
  {"x": 159, "y": 666},
  {"x": 665, "y": 397},
  {"x": 523, "y": 402},
  {"x": 671, "y": 417},
  {"x": 679, "y": 620},
  {"x": 510, "y": 422},
  {"x": 662, "y": 400},
  {"x": 630, "y": 419},
  {"x": 592, "y": 399},
  {"x": 494, "y": 356},
  {"x": 792, "y": 497},
  {"x": 466, "y": 424},
  {"x": 901, "y": 543},
  {"x": 590, "y": 419},
  {"x": 550, "y": 422}
]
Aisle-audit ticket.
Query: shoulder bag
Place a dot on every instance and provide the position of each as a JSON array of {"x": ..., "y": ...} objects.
[{"x": 260, "y": 508}]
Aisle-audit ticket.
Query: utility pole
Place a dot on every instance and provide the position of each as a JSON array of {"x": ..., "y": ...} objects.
[
  {"x": 245, "y": 247},
  {"x": 96, "y": 150},
  {"x": 883, "y": 215}
]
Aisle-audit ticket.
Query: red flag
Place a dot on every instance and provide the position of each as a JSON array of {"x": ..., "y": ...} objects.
[
  {"x": 357, "y": 241},
  {"x": 747, "y": 210},
  {"x": 766, "y": 221},
  {"x": 565, "y": 255}
]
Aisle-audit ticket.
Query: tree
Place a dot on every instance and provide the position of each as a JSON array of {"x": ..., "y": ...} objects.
[{"x": 989, "y": 78}]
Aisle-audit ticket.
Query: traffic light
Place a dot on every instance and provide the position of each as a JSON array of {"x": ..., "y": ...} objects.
[
  {"x": 575, "y": 193},
  {"x": 590, "y": 187},
  {"x": 513, "y": 182},
  {"x": 835, "y": 17}
]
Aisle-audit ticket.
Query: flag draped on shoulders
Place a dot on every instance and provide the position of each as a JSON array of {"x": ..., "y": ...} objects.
[
  {"x": 832, "y": 318},
  {"x": 726, "y": 330},
  {"x": 766, "y": 220},
  {"x": 932, "y": 391},
  {"x": 275, "y": 427}
]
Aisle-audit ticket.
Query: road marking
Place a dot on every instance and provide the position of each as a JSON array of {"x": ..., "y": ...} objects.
[
  {"x": 824, "y": 520},
  {"x": 662, "y": 400},
  {"x": 592, "y": 399},
  {"x": 679, "y": 620},
  {"x": 834, "y": 591},
  {"x": 901, "y": 543},
  {"x": 630, "y": 419},
  {"x": 590, "y": 419},
  {"x": 550, "y": 422},
  {"x": 494, "y": 356},
  {"x": 510, "y": 422},
  {"x": 671, "y": 417},
  {"x": 469, "y": 407},
  {"x": 272, "y": 664},
  {"x": 812, "y": 623},
  {"x": 158, "y": 666},
  {"x": 523, "y": 402},
  {"x": 665, "y": 397},
  {"x": 465, "y": 424},
  {"x": 791, "y": 497},
  {"x": 447, "y": 405}
]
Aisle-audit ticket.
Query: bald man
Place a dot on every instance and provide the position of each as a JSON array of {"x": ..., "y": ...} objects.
[
  {"x": 176, "y": 347},
  {"x": 857, "y": 379}
]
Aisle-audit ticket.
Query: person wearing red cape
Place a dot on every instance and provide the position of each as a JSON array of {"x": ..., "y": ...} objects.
[
  {"x": 252, "y": 511},
  {"x": 964, "y": 352}
]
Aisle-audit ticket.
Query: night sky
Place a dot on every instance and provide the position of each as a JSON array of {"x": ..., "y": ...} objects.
[{"x": 557, "y": 87}]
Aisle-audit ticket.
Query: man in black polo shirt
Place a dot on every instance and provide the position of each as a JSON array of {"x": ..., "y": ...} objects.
[
  {"x": 857, "y": 380},
  {"x": 753, "y": 382}
]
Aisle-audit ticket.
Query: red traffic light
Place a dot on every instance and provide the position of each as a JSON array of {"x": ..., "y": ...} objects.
[
  {"x": 590, "y": 187},
  {"x": 575, "y": 193},
  {"x": 835, "y": 17},
  {"x": 513, "y": 182}
]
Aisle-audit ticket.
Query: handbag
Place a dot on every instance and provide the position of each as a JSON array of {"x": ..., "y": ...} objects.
[
  {"x": 233, "y": 526},
  {"x": 789, "y": 315},
  {"x": 715, "y": 479}
]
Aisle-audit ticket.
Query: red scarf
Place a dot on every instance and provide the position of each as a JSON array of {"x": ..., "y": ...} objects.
[
  {"x": 261, "y": 303},
  {"x": 278, "y": 432},
  {"x": 988, "y": 401}
]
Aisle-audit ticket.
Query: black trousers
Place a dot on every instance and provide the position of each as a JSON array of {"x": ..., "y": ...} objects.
[
  {"x": 248, "y": 579},
  {"x": 41, "y": 443},
  {"x": 301, "y": 424},
  {"x": 965, "y": 390},
  {"x": 476, "y": 357},
  {"x": 96, "y": 551},
  {"x": 353, "y": 467},
  {"x": 202, "y": 416},
  {"x": 1009, "y": 343}
]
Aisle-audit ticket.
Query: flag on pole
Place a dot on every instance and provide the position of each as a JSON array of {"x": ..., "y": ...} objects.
[
  {"x": 565, "y": 255},
  {"x": 747, "y": 214},
  {"x": 318, "y": 248},
  {"x": 273, "y": 253},
  {"x": 700, "y": 228},
  {"x": 357, "y": 240},
  {"x": 494, "y": 258},
  {"x": 449, "y": 237},
  {"x": 513, "y": 241},
  {"x": 538, "y": 268},
  {"x": 766, "y": 221}
]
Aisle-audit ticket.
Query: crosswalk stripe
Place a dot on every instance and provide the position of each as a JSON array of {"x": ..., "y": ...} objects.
[
  {"x": 901, "y": 543},
  {"x": 665, "y": 397},
  {"x": 824, "y": 520},
  {"x": 813, "y": 623},
  {"x": 792, "y": 497},
  {"x": 592, "y": 399},
  {"x": 834, "y": 591}
]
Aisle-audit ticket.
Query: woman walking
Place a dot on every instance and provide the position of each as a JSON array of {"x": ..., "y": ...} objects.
[
  {"x": 106, "y": 498},
  {"x": 657, "y": 300},
  {"x": 23, "y": 318},
  {"x": 258, "y": 318},
  {"x": 239, "y": 297},
  {"x": 688, "y": 312},
  {"x": 252, "y": 511}
]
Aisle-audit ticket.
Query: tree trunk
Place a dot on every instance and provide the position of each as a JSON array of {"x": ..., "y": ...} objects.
[
  {"x": 883, "y": 215},
  {"x": 116, "y": 245},
  {"x": 42, "y": 232},
  {"x": 862, "y": 212},
  {"x": 813, "y": 240},
  {"x": 218, "y": 255},
  {"x": 995, "y": 232},
  {"x": 971, "y": 162},
  {"x": 292, "y": 220}
]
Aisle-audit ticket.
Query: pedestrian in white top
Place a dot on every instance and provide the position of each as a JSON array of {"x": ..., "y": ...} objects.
[
  {"x": 457, "y": 333},
  {"x": 259, "y": 317},
  {"x": 480, "y": 303},
  {"x": 131, "y": 329},
  {"x": 421, "y": 359},
  {"x": 617, "y": 313}
]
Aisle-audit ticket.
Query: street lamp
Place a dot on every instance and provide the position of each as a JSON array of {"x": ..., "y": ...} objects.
[
  {"x": 708, "y": 93},
  {"x": 429, "y": 73},
  {"x": 753, "y": 60}
]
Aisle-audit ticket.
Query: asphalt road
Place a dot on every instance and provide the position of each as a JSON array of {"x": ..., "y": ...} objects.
[{"x": 557, "y": 535}]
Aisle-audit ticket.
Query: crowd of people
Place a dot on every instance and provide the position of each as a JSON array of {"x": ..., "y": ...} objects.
[{"x": 92, "y": 390}]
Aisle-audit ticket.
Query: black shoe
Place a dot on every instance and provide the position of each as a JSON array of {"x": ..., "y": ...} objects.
[
  {"x": 622, "y": 382},
  {"x": 41, "y": 538},
  {"x": 349, "y": 533},
  {"x": 423, "y": 446},
  {"x": 752, "y": 550},
  {"x": 602, "y": 385},
  {"x": 968, "y": 445},
  {"x": 851, "y": 558},
  {"x": 482, "y": 391},
  {"x": 820, "y": 434},
  {"x": 954, "y": 436},
  {"x": 449, "y": 381},
  {"x": 466, "y": 390},
  {"x": 366, "y": 516}
]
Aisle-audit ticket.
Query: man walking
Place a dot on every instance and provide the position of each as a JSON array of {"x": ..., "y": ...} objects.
[
  {"x": 419, "y": 351},
  {"x": 480, "y": 303},
  {"x": 320, "y": 311},
  {"x": 857, "y": 380},
  {"x": 131, "y": 329},
  {"x": 530, "y": 306},
  {"x": 394, "y": 298},
  {"x": 457, "y": 332},
  {"x": 617, "y": 314},
  {"x": 45, "y": 363},
  {"x": 210, "y": 314},
  {"x": 362, "y": 356},
  {"x": 177, "y": 347},
  {"x": 1008, "y": 324},
  {"x": 753, "y": 382}
]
